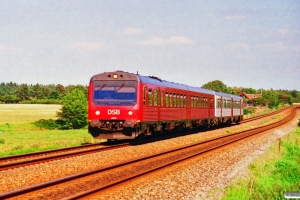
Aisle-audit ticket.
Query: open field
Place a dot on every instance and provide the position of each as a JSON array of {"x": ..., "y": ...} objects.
[
  {"x": 18, "y": 135},
  {"x": 20, "y": 113}
]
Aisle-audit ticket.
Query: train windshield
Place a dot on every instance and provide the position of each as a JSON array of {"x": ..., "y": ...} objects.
[{"x": 115, "y": 92}]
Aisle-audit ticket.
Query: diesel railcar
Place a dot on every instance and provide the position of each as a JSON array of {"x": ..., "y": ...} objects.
[{"x": 124, "y": 105}]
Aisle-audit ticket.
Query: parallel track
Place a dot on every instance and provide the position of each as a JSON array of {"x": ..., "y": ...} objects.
[
  {"x": 79, "y": 185},
  {"x": 10, "y": 162}
]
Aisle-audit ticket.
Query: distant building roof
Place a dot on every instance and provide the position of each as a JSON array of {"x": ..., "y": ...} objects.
[{"x": 249, "y": 96}]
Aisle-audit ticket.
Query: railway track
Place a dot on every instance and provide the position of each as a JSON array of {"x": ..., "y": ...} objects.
[
  {"x": 11, "y": 162},
  {"x": 84, "y": 184},
  {"x": 265, "y": 115}
]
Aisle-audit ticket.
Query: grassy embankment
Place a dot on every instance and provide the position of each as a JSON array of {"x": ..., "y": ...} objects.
[
  {"x": 18, "y": 135},
  {"x": 272, "y": 174}
]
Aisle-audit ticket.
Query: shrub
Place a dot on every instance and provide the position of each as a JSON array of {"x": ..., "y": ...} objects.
[{"x": 47, "y": 124}]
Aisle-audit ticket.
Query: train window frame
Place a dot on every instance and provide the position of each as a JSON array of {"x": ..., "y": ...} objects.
[
  {"x": 158, "y": 98},
  {"x": 154, "y": 97},
  {"x": 162, "y": 96}
]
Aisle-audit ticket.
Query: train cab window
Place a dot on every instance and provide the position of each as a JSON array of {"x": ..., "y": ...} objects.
[
  {"x": 116, "y": 93},
  {"x": 150, "y": 99},
  {"x": 154, "y": 98},
  {"x": 144, "y": 95}
]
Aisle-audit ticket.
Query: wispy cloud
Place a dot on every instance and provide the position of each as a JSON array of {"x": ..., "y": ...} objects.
[
  {"x": 2, "y": 47},
  {"x": 238, "y": 45},
  {"x": 273, "y": 46},
  {"x": 163, "y": 41},
  {"x": 288, "y": 32},
  {"x": 132, "y": 31},
  {"x": 88, "y": 46},
  {"x": 235, "y": 17}
]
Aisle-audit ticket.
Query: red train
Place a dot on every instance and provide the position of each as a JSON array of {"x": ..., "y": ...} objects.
[{"x": 124, "y": 105}]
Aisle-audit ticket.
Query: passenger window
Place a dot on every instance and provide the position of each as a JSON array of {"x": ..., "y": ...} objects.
[
  {"x": 144, "y": 95},
  {"x": 158, "y": 97},
  {"x": 150, "y": 97},
  {"x": 174, "y": 100},
  {"x": 167, "y": 99},
  {"x": 155, "y": 98}
]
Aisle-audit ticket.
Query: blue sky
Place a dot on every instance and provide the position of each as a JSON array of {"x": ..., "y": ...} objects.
[{"x": 242, "y": 43}]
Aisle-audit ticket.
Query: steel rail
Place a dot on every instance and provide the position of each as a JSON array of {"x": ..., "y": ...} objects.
[{"x": 39, "y": 157}]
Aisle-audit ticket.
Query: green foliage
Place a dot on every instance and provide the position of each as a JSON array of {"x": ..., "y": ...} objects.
[
  {"x": 274, "y": 177},
  {"x": 2, "y": 141},
  {"x": 49, "y": 124},
  {"x": 216, "y": 85},
  {"x": 248, "y": 110},
  {"x": 73, "y": 114}
]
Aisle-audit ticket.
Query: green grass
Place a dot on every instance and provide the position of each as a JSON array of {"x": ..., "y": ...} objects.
[
  {"x": 18, "y": 135},
  {"x": 25, "y": 137},
  {"x": 272, "y": 174}
]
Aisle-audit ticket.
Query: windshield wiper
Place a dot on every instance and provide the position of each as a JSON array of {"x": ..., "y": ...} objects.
[
  {"x": 123, "y": 84},
  {"x": 102, "y": 86}
]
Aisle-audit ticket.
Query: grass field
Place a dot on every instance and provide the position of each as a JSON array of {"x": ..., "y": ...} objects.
[
  {"x": 18, "y": 135},
  {"x": 20, "y": 113},
  {"x": 272, "y": 174}
]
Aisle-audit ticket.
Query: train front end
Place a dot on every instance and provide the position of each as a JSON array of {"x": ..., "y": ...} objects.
[{"x": 113, "y": 110}]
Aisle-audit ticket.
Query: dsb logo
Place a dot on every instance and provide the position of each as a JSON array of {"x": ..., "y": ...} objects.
[{"x": 113, "y": 112}]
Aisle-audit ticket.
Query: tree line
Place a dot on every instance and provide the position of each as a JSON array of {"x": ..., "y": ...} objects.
[
  {"x": 73, "y": 98},
  {"x": 35, "y": 94},
  {"x": 270, "y": 98},
  {"x": 54, "y": 94}
]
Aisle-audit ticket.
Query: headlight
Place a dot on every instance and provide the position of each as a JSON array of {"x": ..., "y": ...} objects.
[
  {"x": 97, "y": 112},
  {"x": 130, "y": 112}
]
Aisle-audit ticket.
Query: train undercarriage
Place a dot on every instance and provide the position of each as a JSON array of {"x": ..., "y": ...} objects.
[{"x": 126, "y": 129}]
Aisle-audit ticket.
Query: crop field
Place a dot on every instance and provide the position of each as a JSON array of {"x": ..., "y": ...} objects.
[
  {"x": 18, "y": 135},
  {"x": 20, "y": 113}
]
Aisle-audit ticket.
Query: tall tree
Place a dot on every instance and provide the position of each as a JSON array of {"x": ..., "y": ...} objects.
[
  {"x": 216, "y": 85},
  {"x": 23, "y": 92},
  {"x": 73, "y": 114}
]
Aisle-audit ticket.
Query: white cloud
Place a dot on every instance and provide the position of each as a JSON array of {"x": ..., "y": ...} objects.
[
  {"x": 287, "y": 32},
  {"x": 163, "y": 41},
  {"x": 88, "y": 46},
  {"x": 235, "y": 17},
  {"x": 239, "y": 45},
  {"x": 2, "y": 47},
  {"x": 132, "y": 31},
  {"x": 273, "y": 46}
]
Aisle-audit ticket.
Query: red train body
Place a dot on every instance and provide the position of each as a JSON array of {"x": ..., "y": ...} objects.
[{"x": 124, "y": 105}]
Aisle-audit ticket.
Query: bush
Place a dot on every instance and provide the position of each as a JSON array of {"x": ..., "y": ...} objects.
[
  {"x": 47, "y": 124},
  {"x": 73, "y": 114}
]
